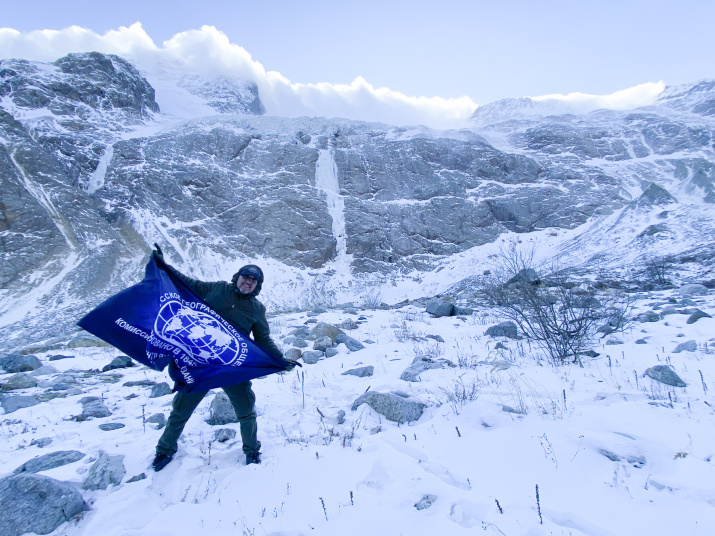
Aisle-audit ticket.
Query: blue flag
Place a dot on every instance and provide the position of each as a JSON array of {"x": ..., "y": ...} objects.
[{"x": 160, "y": 322}]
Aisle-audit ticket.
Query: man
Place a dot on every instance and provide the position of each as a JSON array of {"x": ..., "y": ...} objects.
[{"x": 236, "y": 302}]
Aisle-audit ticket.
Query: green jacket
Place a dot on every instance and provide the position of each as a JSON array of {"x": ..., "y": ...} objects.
[{"x": 244, "y": 312}]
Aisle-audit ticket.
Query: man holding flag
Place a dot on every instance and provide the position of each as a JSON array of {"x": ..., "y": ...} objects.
[{"x": 200, "y": 330}]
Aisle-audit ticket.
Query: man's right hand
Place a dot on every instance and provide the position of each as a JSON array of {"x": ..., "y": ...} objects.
[{"x": 157, "y": 253}]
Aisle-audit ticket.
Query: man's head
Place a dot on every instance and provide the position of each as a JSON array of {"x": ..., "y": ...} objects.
[{"x": 249, "y": 280}]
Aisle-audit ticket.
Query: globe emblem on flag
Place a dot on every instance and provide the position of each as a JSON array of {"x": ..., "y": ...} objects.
[{"x": 199, "y": 335}]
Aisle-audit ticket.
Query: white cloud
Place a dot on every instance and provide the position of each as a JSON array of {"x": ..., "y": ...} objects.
[
  {"x": 625, "y": 99},
  {"x": 209, "y": 51}
]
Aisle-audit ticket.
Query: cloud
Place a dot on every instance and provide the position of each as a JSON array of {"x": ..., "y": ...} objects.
[
  {"x": 209, "y": 51},
  {"x": 625, "y": 99}
]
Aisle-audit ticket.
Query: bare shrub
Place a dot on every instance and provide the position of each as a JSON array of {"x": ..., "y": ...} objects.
[{"x": 560, "y": 316}]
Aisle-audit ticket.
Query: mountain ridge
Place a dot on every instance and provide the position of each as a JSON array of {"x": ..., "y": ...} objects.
[{"x": 94, "y": 171}]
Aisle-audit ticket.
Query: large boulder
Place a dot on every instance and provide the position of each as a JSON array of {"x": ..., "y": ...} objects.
[
  {"x": 393, "y": 407},
  {"x": 38, "y": 504}
]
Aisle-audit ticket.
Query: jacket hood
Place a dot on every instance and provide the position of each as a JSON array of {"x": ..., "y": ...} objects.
[{"x": 259, "y": 285}]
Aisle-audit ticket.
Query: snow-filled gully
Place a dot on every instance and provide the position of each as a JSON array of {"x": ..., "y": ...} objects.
[{"x": 326, "y": 179}]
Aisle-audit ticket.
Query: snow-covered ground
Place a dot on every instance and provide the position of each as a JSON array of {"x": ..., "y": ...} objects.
[{"x": 611, "y": 451}]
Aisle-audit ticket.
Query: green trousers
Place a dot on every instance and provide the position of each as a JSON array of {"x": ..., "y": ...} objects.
[{"x": 184, "y": 404}]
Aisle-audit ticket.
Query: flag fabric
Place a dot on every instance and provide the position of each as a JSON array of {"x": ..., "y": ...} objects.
[{"x": 161, "y": 322}]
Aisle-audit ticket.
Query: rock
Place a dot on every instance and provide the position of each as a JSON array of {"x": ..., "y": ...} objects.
[
  {"x": 301, "y": 332},
  {"x": 438, "y": 308},
  {"x": 62, "y": 385},
  {"x": 109, "y": 426},
  {"x": 224, "y": 434},
  {"x": 525, "y": 275},
  {"x": 689, "y": 346},
  {"x": 437, "y": 338},
  {"x": 323, "y": 329},
  {"x": 41, "y": 442},
  {"x": 107, "y": 470},
  {"x": 140, "y": 383},
  {"x": 348, "y": 324},
  {"x": 420, "y": 364},
  {"x": 351, "y": 344},
  {"x": 158, "y": 419},
  {"x": 44, "y": 370},
  {"x": 293, "y": 354},
  {"x": 641, "y": 341},
  {"x": 693, "y": 289},
  {"x": 12, "y": 403},
  {"x": 119, "y": 362},
  {"x": 462, "y": 311},
  {"x": 311, "y": 357},
  {"x": 361, "y": 372},
  {"x": 425, "y": 502},
  {"x": 160, "y": 389},
  {"x": 391, "y": 406},
  {"x": 323, "y": 343},
  {"x": 137, "y": 478},
  {"x": 341, "y": 416},
  {"x": 613, "y": 341},
  {"x": 19, "y": 363},
  {"x": 331, "y": 352},
  {"x": 697, "y": 315},
  {"x": 57, "y": 357},
  {"x": 666, "y": 375},
  {"x": 222, "y": 411},
  {"x": 505, "y": 329},
  {"x": 50, "y": 461},
  {"x": 649, "y": 316},
  {"x": 300, "y": 343},
  {"x": 37, "y": 504},
  {"x": 21, "y": 380},
  {"x": 93, "y": 407}
]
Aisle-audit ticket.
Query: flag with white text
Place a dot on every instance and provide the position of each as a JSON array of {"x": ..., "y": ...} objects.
[{"x": 160, "y": 322}]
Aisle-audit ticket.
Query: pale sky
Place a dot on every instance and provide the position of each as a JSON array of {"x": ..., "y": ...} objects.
[{"x": 478, "y": 51}]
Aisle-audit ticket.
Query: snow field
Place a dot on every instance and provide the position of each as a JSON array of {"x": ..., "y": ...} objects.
[{"x": 366, "y": 475}]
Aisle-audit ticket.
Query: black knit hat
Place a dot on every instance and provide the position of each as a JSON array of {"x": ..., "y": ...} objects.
[{"x": 253, "y": 270}]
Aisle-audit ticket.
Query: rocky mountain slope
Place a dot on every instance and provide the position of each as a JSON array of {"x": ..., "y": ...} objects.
[{"x": 92, "y": 173}]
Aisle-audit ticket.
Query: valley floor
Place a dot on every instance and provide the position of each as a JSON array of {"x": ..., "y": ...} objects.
[{"x": 507, "y": 444}]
